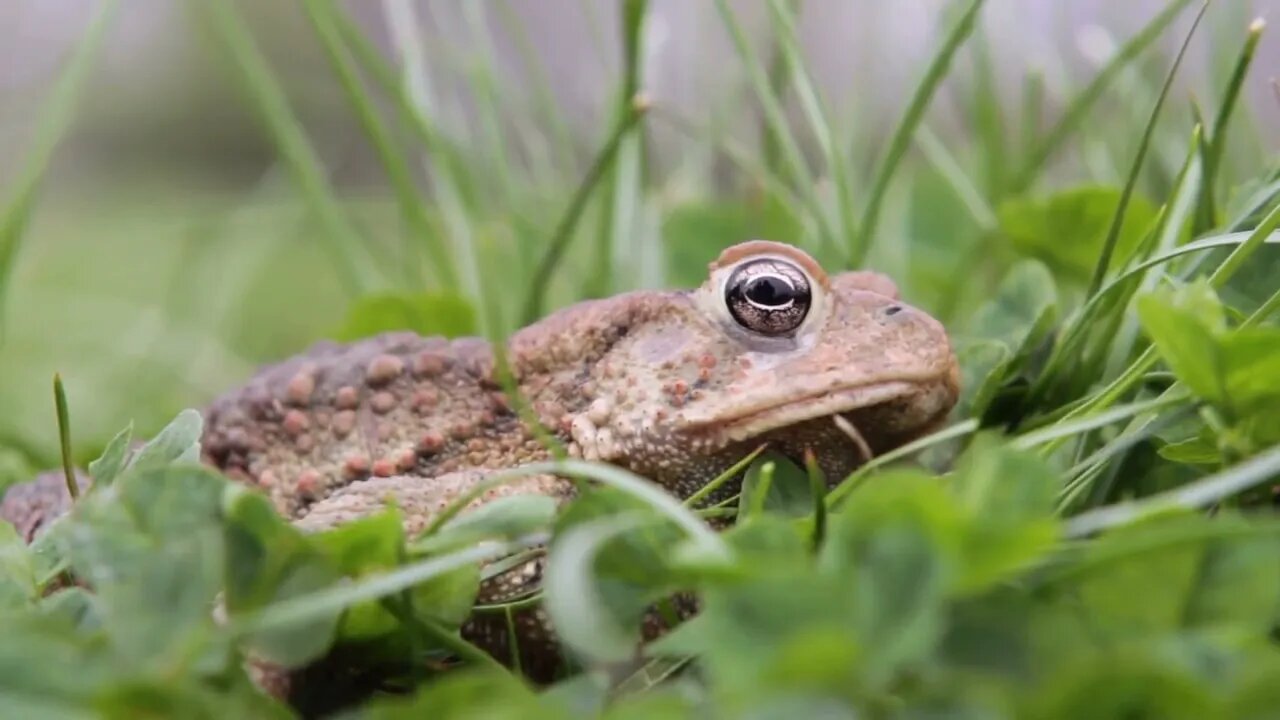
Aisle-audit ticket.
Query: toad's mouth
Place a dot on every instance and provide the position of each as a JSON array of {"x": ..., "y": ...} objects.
[{"x": 921, "y": 403}]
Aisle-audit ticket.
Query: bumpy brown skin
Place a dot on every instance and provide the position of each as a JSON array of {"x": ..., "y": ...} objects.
[{"x": 666, "y": 384}]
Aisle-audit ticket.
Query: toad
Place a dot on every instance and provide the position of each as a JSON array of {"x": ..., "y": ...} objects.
[{"x": 675, "y": 386}]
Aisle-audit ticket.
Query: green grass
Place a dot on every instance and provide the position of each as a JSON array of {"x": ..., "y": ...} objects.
[{"x": 1093, "y": 533}]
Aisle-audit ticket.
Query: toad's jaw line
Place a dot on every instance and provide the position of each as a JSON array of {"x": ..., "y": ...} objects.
[{"x": 792, "y": 411}]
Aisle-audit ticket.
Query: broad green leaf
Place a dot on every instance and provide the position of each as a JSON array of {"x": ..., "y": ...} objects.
[
  {"x": 1120, "y": 567},
  {"x": 504, "y": 518},
  {"x": 1251, "y": 357},
  {"x": 1009, "y": 498},
  {"x": 657, "y": 703},
  {"x": 1130, "y": 685},
  {"x": 149, "y": 546},
  {"x": 1066, "y": 230},
  {"x": 17, "y": 569},
  {"x": 786, "y": 491},
  {"x": 1257, "y": 694},
  {"x": 376, "y": 543},
  {"x": 464, "y": 695},
  {"x": 179, "y": 441},
  {"x": 1186, "y": 344},
  {"x": 186, "y": 698},
  {"x": 269, "y": 561},
  {"x": 76, "y": 606},
  {"x": 362, "y": 546},
  {"x": 1238, "y": 584},
  {"x": 984, "y": 367},
  {"x": 768, "y": 539},
  {"x": 1022, "y": 310},
  {"x": 899, "y": 585},
  {"x": 1199, "y": 450},
  {"x": 584, "y": 617},
  {"x": 108, "y": 465},
  {"x": 48, "y": 671},
  {"x": 641, "y": 557},
  {"x": 443, "y": 314},
  {"x": 897, "y": 546},
  {"x": 787, "y": 611}
]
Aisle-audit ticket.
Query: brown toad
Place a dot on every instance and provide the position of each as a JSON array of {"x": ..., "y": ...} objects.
[{"x": 676, "y": 386}]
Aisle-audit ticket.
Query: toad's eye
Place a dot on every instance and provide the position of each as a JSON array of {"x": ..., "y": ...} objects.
[{"x": 768, "y": 296}]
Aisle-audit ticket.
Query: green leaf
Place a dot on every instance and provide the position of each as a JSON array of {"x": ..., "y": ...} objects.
[
  {"x": 1127, "y": 686},
  {"x": 583, "y": 617},
  {"x": 1066, "y": 230},
  {"x": 268, "y": 561},
  {"x": 504, "y": 518},
  {"x": 786, "y": 491},
  {"x": 376, "y": 543},
  {"x": 108, "y": 465},
  {"x": 788, "y": 611},
  {"x": 764, "y": 541},
  {"x": 17, "y": 569},
  {"x": 639, "y": 558},
  {"x": 47, "y": 671},
  {"x": 1251, "y": 357},
  {"x": 149, "y": 546},
  {"x": 1199, "y": 450},
  {"x": 465, "y": 695},
  {"x": 984, "y": 367},
  {"x": 1009, "y": 497},
  {"x": 444, "y": 314},
  {"x": 1239, "y": 583},
  {"x": 1022, "y": 310},
  {"x": 1185, "y": 342},
  {"x": 185, "y": 698},
  {"x": 896, "y": 547},
  {"x": 1124, "y": 564},
  {"x": 179, "y": 441}
]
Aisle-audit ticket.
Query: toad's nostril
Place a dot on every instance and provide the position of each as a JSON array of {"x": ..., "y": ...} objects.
[{"x": 892, "y": 310}]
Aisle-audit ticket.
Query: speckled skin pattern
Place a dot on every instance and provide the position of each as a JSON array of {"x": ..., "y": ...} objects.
[{"x": 667, "y": 384}]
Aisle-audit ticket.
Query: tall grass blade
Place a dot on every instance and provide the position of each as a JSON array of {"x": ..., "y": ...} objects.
[
  {"x": 900, "y": 142},
  {"x": 1080, "y": 106},
  {"x": 56, "y": 118},
  {"x": 64, "y": 436},
  {"x": 1257, "y": 470},
  {"x": 563, "y": 233},
  {"x": 815, "y": 112},
  {"x": 392, "y": 157},
  {"x": 1113, "y": 233},
  {"x": 342, "y": 241},
  {"x": 1206, "y": 216},
  {"x": 625, "y": 177}
]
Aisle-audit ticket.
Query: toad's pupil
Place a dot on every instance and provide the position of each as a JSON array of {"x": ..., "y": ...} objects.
[
  {"x": 770, "y": 291},
  {"x": 768, "y": 297}
]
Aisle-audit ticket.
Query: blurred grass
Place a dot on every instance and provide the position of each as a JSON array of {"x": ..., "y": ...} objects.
[{"x": 188, "y": 291}]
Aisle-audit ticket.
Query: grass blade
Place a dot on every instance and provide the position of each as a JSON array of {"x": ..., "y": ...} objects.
[
  {"x": 938, "y": 68},
  {"x": 796, "y": 169},
  {"x": 624, "y": 176},
  {"x": 569, "y": 221},
  {"x": 64, "y": 436},
  {"x": 1218, "y": 134},
  {"x": 1113, "y": 233},
  {"x": 342, "y": 241},
  {"x": 1084, "y": 101},
  {"x": 56, "y": 118},
  {"x": 815, "y": 111},
  {"x": 321, "y": 15},
  {"x": 1206, "y": 491}
]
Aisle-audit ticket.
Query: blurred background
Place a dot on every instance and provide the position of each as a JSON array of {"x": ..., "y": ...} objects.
[{"x": 219, "y": 199}]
